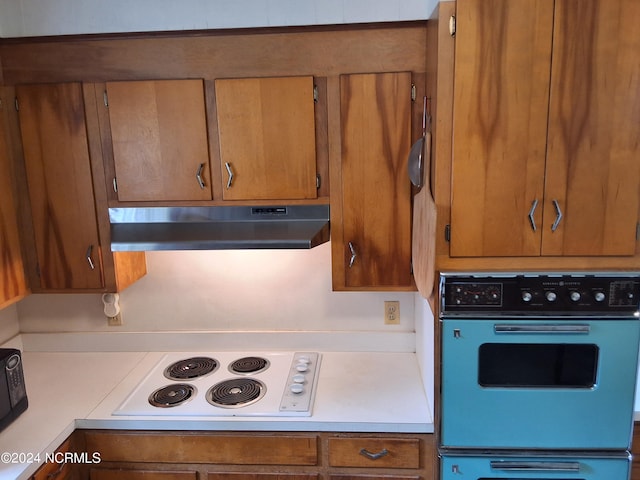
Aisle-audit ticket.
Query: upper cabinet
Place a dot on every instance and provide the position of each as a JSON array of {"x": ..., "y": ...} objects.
[
  {"x": 266, "y": 134},
  {"x": 371, "y": 203},
  {"x": 159, "y": 140},
  {"x": 545, "y": 129},
  {"x": 13, "y": 284},
  {"x": 56, "y": 154},
  {"x": 69, "y": 254}
]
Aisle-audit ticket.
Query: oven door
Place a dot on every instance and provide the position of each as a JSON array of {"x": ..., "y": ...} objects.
[
  {"x": 538, "y": 384},
  {"x": 615, "y": 467}
]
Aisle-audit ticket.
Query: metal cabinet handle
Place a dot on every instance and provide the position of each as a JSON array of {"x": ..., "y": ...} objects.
[
  {"x": 354, "y": 254},
  {"x": 536, "y": 466},
  {"x": 535, "y": 328},
  {"x": 534, "y": 205},
  {"x": 230, "y": 173},
  {"x": 199, "y": 176},
  {"x": 55, "y": 474},
  {"x": 374, "y": 456},
  {"x": 89, "y": 260},
  {"x": 558, "y": 216}
]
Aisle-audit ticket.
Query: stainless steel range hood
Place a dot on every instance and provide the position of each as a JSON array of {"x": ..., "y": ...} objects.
[{"x": 218, "y": 228}]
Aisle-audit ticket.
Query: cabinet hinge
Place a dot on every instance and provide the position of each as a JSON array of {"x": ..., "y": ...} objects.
[
  {"x": 315, "y": 94},
  {"x": 115, "y": 184},
  {"x": 318, "y": 181},
  {"x": 447, "y": 233},
  {"x": 38, "y": 269},
  {"x": 105, "y": 99},
  {"x": 637, "y": 231},
  {"x": 16, "y": 104},
  {"x": 452, "y": 25},
  {"x": 413, "y": 92}
]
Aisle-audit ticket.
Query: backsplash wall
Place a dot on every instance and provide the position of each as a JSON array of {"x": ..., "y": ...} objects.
[
  {"x": 9, "y": 325},
  {"x": 243, "y": 290}
]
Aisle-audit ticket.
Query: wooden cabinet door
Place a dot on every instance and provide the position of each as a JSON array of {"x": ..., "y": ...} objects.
[
  {"x": 13, "y": 284},
  {"x": 266, "y": 130},
  {"x": 375, "y": 129},
  {"x": 593, "y": 156},
  {"x": 54, "y": 137},
  {"x": 159, "y": 136},
  {"x": 501, "y": 91}
]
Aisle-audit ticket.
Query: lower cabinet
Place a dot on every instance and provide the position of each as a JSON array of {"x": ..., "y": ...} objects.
[
  {"x": 57, "y": 468},
  {"x": 155, "y": 455}
]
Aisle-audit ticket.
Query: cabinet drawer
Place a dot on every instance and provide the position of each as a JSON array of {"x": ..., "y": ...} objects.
[
  {"x": 374, "y": 452},
  {"x": 119, "y": 474},
  {"x": 216, "y": 449}
]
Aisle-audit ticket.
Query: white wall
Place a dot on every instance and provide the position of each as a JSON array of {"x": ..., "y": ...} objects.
[
  {"x": 60, "y": 17},
  {"x": 250, "y": 290},
  {"x": 9, "y": 325}
]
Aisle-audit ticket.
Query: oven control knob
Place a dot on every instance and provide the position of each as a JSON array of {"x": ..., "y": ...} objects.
[
  {"x": 302, "y": 367},
  {"x": 527, "y": 297},
  {"x": 298, "y": 378},
  {"x": 551, "y": 296},
  {"x": 599, "y": 296},
  {"x": 575, "y": 296},
  {"x": 296, "y": 388}
]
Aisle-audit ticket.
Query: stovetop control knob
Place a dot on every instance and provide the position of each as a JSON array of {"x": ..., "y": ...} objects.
[
  {"x": 599, "y": 296},
  {"x": 302, "y": 367},
  {"x": 575, "y": 296},
  {"x": 296, "y": 388},
  {"x": 551, "y": 296},
  {"x": 526, "y": 297}
]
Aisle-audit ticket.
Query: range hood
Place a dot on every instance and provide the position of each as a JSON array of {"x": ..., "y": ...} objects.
[{"x": 218, "y": 228}]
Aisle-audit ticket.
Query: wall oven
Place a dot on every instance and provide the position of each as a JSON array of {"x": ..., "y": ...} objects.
[{"x": 538, "y": 375}]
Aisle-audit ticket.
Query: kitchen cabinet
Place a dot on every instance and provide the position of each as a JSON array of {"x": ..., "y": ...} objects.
[
  {"x": 68, "y": 252},
  {"x": 59, "y": 469},
  {"x": 371, "y": 191},
  {"x": 13, "y": 283},
  {"x": 545, "y": 129},
  {"x": 158, "y": 137},
  {"x": 267, "y": 138},
  {"x": 268, "y": 455}
]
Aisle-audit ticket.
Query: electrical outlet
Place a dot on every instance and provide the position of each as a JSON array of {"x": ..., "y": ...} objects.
[
  {"x": 392, "y": 313},
  {"x": 115, "y": 321}
]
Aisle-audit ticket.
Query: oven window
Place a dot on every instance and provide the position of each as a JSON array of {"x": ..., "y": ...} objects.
[{"x": 537, "y": 365}]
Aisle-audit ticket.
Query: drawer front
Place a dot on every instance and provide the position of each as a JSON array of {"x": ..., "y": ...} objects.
[
  {"x": 120, "y": 474},
  {"x": 214, "y": 449},
  {"x": 374, "y": 452}
]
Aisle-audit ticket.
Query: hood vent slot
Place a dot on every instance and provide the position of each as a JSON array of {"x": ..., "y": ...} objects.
[{"x": 219, "y": 227}]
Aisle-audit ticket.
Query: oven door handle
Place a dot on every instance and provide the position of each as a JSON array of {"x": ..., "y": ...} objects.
[
  {"x": 544, "y": 328},
  {"x": 536, "y": 466}
]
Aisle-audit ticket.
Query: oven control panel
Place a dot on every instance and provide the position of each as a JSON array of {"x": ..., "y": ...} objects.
[{"x": 595, "y": 294}]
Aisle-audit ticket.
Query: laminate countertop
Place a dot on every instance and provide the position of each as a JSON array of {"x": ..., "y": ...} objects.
[{"x": 74, "y": 390}]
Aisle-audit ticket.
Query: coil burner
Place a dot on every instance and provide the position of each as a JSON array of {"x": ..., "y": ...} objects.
[
  {"x": 236, "y": 392},
  {"x": 190, "y": 368},
  {"x": 249, "y": 365},
  {"x": 172, "y": 395}
]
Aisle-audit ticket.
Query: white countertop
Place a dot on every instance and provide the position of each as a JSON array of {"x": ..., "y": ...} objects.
[{"x": 80, "y": 390}]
